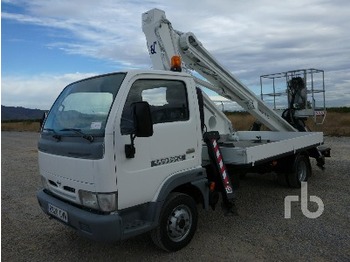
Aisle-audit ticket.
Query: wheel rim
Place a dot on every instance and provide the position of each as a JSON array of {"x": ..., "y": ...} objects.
[
  {"x": 179, "y": 223},
  {"x": 302, "y": 171}
]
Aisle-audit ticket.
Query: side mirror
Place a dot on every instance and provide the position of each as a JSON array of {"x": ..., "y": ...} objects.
[
  {"x": 143, "y": 125},
  {"x": 142, "y": 119}
]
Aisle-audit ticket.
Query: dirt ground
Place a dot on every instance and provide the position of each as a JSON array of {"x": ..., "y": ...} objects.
[{"x": 259, "y": 233}]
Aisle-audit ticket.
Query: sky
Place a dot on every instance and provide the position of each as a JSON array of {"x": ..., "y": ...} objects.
[{"x": 47, "y": 44}]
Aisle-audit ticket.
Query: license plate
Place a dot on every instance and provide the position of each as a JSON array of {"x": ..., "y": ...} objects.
[{"x": 59, "y": 213}]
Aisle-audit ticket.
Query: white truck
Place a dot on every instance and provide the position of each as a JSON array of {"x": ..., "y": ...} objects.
[{"x": 131, "y": 152}]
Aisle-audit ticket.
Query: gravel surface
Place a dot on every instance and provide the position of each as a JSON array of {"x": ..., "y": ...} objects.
[{"x": 259, "y": 233}]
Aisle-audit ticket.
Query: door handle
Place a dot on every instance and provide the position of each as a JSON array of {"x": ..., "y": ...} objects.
[{"x": 190, "y": 151}]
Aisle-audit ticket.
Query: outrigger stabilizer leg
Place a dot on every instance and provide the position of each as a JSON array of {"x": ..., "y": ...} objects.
[{"x": 221, "y": 175}]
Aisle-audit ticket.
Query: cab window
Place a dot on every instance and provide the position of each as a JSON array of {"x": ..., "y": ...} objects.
[{"x": 167, "y": 99}]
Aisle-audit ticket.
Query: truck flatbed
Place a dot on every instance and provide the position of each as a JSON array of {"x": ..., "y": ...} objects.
[{"x": 250, "y": 147}]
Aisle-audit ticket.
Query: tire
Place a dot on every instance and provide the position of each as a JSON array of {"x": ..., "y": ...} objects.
[
  {"x": 177, "y": 223},
  {"x": 300, "y": 171}
]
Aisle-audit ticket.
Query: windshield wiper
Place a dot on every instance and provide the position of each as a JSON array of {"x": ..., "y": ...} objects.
[
  {"x": 55, "y": 135},
  {"x": 89, "y": 138}
]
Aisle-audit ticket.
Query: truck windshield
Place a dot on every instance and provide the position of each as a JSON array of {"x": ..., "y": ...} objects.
[{"x": 84, "y": 106}]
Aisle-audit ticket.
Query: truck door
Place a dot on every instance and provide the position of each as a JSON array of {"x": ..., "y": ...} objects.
[{"x": 174, "y": 147}]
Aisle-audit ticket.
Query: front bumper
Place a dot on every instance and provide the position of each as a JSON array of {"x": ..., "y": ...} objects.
[{"x": 99, "y": 227}]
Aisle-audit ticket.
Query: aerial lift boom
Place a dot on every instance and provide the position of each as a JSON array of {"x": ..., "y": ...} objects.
[{"x": 164, "y": 42}]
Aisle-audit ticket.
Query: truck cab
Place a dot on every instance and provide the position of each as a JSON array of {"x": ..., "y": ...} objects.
[{"x": 91, "y": 180}]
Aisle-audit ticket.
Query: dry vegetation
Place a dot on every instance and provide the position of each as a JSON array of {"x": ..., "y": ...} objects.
[
  {"x": 336, "y": 124},
  {"x": 28, "y": 126}
]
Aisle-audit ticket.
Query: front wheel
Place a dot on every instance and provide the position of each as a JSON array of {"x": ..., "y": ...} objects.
[{"x": 177, "y": 223}]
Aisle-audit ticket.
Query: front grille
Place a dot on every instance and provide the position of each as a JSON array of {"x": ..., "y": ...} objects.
[
  {"x": 53, "y": 183},
  {"x": 70, "y": 189},
  {"x": 66, "y": 188}
]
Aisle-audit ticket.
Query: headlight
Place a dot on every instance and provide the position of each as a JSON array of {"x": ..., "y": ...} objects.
[
  {"x": 99, "y": 201},
  {"x": 88, "y": 199},
  {"x": 107, "y": 202}
]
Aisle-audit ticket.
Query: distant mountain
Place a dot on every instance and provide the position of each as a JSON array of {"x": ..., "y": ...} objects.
[{"x": 20, "y": 113}]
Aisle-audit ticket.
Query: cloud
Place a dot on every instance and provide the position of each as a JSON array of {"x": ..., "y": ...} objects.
[
  {"x": 250, "y": 38},
  {"x": 339, "y": 94},
  {"x": 109, "y": 31},
  {"x": 38, "y": 91}
]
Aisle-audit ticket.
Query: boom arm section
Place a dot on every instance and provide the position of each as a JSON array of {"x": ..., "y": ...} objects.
[{"x": 164, "y": 42}]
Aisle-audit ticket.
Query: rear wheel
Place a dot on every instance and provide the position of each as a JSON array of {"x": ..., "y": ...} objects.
[
  {"x": 177, "y": 223},
  {"x": 300, "y": 171}
]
